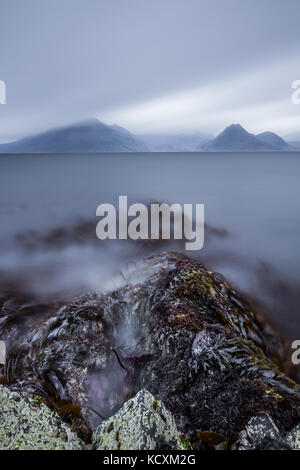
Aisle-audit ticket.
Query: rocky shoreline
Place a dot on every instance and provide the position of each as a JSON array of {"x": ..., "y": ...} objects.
[{"x": 176, "y": 344}]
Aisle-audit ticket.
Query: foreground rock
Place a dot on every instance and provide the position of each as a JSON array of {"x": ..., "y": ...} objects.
[
  {"x": 293, "y": 438},
  {"x": 143, "y": 423},
  {"x": 30, "y": 425},
  {"x": 260, "y": 431},
  {"x": 175, "y": 329}
]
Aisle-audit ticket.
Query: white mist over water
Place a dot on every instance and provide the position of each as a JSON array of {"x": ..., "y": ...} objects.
[{"x": 255, "y": 197}]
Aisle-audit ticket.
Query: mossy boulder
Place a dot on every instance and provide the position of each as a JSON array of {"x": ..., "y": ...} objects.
[
  {"x": 30, "y": 425},
  {"x": 143, "y": 423}
]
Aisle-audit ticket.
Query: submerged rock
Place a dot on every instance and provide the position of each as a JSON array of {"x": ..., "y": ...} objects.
[
  {"x": 30, "y": 425},
  {"x": 142, "y": 423},
  {"x": 175, "y": 329}
]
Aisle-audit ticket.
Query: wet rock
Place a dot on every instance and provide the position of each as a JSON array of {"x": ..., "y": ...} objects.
[
  {"x": 143, "y": 423},
  {"x": 175, "y": 329},
  {"x": 30, "y": 425}
]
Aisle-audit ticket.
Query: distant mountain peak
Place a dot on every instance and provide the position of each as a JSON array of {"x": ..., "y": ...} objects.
[
  {"x": 88, "y": 136},
  {"x": 273, "y": 139},
  {"x": 236, "y": 138},
  {"x": 235, "y": 129}
]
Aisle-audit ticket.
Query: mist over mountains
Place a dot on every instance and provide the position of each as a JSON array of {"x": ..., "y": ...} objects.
[
  {"x": 176, "y": 142},
  {"x": 236, "y": 138},
  {"x": 93, "y": 136},
  {"x": 90, "y": 136}
]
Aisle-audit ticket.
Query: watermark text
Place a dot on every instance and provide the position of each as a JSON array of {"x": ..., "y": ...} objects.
[
  {"x": 161, "y": 222},
  {"x": 2, "y": 92},
  {"x": 296, "y": 94}
]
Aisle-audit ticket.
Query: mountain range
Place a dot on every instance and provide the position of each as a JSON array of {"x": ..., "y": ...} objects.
[
  {"x": 93, "y": 136},
  {"x": 236, "y": 138}
]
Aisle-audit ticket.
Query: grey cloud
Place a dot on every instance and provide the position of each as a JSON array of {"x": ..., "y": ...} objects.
[{"x": 63, "y": 60}]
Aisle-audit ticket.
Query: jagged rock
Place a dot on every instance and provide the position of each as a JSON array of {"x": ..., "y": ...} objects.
[
  {"x": 258, "y": 429},
  {"x": 142, "y": 423},
  {"x": 293, "y": 438},
  {"x": 30, "y": 425},
  {"x": 175, "y": 329}
]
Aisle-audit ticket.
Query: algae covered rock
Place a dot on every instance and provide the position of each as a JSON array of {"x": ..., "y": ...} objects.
[
  {"x": 143, "y": 423},
  {"x": 175, "y": 329},
  {"x": 29, "y": 425}
]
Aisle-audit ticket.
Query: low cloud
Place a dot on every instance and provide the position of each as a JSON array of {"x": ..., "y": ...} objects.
[{"x": 259, "y": 99}]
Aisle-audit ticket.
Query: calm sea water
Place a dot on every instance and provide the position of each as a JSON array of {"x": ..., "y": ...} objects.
[{"x": 256, "y": 197}]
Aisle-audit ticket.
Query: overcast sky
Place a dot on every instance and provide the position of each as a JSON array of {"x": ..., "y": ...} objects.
[{"x": 149, "y": 65}]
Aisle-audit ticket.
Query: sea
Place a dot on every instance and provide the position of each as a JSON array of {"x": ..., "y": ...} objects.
[{"x": 252, "y": 213}]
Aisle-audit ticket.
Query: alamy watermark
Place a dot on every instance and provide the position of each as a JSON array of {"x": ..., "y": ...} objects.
[
  {"x": 157, "y": 222},
  {"x": 296, "y": 94},
  {"x": 296, "y": 354},
  {"x": 2, "y": 92},
  {"x": 2, "y": 353}
]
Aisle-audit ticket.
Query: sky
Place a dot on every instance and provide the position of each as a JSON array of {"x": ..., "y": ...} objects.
[{"x": 159, "y": 66}]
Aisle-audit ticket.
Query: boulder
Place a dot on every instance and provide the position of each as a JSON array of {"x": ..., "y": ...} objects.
[
  {"x": 293, "y": 438},
  {"x": 175, "y": 329},
  {"x": 260, "y": 428},
  {"x": 30, "y": 425},
  {"x": 143, "y": 423}
]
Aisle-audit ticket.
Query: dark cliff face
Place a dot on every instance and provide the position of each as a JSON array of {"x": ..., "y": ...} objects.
[
  {"x": 177, "y": 330},
  {"x": 88, "y": 136}
]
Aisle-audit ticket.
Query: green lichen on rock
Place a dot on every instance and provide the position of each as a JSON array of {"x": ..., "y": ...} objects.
[
  {"x": 258, "y": 429},
  {"x": 30, "y": 425},
  {"x": 143, "y": 423},
  {"x": 293, "y": 438},
  {"x": 261, "y": 433}
]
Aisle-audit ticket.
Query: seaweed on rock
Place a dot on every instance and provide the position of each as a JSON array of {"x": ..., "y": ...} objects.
[{"x": 175, "y": 329}]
